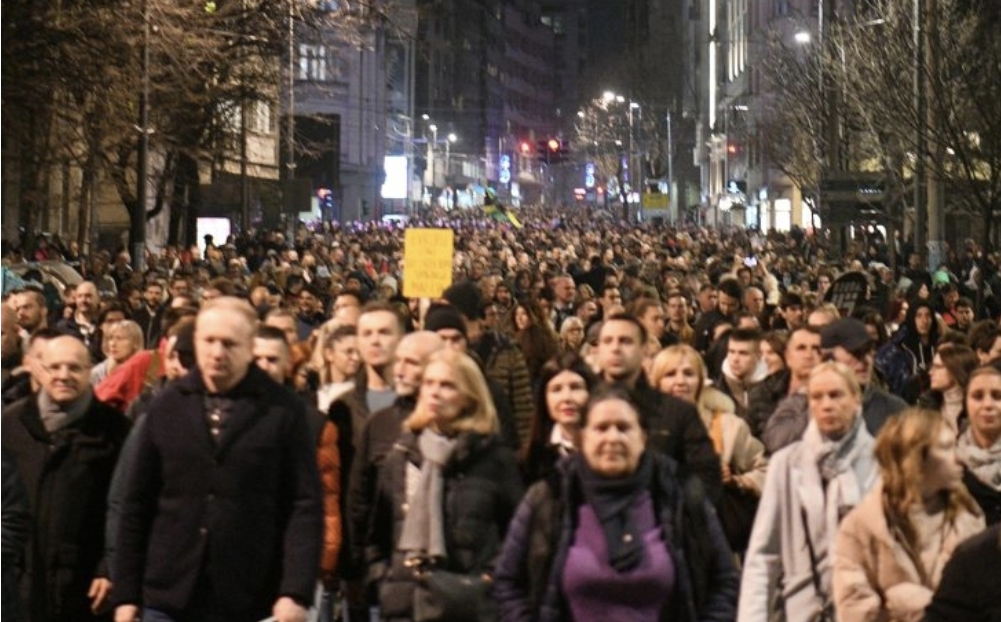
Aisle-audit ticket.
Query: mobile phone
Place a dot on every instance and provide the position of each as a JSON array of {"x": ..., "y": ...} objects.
[{"x": 751, "y": 261}]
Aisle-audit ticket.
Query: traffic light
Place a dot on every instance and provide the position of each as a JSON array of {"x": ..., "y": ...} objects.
[
  {"x": 542, "y": 150},
  {"x": 525, "y": 148}
]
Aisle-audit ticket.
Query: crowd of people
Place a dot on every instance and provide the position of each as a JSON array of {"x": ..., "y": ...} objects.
[{"x": 595, "y": 421}]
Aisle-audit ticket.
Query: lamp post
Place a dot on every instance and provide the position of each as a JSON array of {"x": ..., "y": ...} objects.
[{"x": 433, "y": 156}]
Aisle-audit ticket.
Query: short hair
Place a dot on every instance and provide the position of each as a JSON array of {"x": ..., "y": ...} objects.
[
  {"x": 223, "y": 285},
  {"x": 279, "y": 312},
  {"x": 131, "y": 329},
  {"x": 669, "y": 357},
  {"x": 791, "y": 299},
  {"x": 45, "y": 333},
  {"x": 964, "y": 302},
  {"x": 641, "y": 305},
  {"x": 730, "y": 287},
  {"x": 37, "y": 295},
  {"x": 632, "y": 319},
  {"x": 744, "y": 335},
  {"x": 232, "y": 303},
  {"x": 272, "y": 333},
  {"x": 376, "y": 306}
]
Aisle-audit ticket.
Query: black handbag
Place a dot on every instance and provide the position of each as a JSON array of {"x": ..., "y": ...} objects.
[{"x": 443, "y": 596}]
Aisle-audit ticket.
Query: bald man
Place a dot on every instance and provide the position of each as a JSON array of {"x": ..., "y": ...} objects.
[
  {"x": 381, "y": 431},
  {"x": 65, "y": 443},
  {"x": 221, "y": 518}
]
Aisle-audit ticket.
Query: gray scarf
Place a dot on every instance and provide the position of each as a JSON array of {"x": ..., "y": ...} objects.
[
  {"x": 985, "y": 464},
  {"x": 56, "y": 417},
  {"x": 424, "y": 526}
]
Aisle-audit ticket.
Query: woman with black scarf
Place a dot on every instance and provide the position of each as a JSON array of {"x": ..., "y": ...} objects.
[{"x": 620, "y": 537}]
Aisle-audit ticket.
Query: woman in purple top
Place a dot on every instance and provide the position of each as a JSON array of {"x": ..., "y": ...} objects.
[{"x": 616, "y": 535}]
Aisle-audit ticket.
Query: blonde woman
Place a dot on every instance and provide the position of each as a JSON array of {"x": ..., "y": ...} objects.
[
  {"x": 120, "y": 340},
  {"x": 809, "y": 486},
  {"x": 678, "y": 370},
  {"x": 448, "y": 490},
  {"x": 891, "y": 549}
]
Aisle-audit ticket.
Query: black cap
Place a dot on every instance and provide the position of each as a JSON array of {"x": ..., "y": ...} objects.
[{"x": 848, "y": 333}]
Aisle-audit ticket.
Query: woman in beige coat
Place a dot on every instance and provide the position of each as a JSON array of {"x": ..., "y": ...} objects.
[{"x": 891, "y": 549}]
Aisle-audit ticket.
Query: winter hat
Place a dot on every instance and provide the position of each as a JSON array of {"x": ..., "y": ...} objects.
[
  {"x": 465, "y": 297},
  {"x": 390, "y": 282}
]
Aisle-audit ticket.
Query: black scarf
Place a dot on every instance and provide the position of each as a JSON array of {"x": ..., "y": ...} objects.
[{"x": 614, "y": 500}]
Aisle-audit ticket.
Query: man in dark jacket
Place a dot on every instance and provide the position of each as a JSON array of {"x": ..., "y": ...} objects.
[
  {"x": 673, "y": 425},
  {"x": 802, "y": 354},
  {"x": 727, "y": 306},
  {"x": 381, "y": 431},
  {"x": 221, "y": 517},
  {"x": 65, "y": 443}
]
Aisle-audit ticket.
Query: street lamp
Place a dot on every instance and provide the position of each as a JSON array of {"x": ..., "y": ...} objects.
[{"x": 431, "y": 156}]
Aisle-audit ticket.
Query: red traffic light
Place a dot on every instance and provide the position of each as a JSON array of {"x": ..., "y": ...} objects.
[
  {"x": 525, "y": 147},
  {"x": 554, "y": 145}
]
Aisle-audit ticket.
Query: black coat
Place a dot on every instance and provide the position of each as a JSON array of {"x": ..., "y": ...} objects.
[
  {"x": 67, "y": 474},
  {"x": 968, "y": 591},
  {"x": 675, "y": 429},
  {"x": 986, "y": 497},
  {"x": 377, "y": 439},
  {"x": 242, "y": 515},
  {"x": 482, "y": 489}
]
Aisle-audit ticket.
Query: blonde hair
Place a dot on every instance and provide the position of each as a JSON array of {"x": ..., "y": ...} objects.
[
  {"x": 902, "y": 447},
  {"x": 672, "y": 356},
  {"x": 130, "y": 329},
  {"x": 479, "y": 416},
  {"x": 708, "y": 399},
  {"x": 842, "y": 370}
]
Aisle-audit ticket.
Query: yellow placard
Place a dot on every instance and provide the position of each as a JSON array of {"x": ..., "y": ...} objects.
[
  {"x": 427, "y": 262},
  {"x": 656, "y": 201}
]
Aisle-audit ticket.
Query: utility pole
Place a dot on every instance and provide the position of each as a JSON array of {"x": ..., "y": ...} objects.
[
  {"x": 935, "y": 149},
  {"x": 921, "y": 149},
  {"x": 137, "y": 232}
]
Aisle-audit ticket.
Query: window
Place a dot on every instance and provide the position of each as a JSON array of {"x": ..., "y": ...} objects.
[{"x": 313, "y": 63}]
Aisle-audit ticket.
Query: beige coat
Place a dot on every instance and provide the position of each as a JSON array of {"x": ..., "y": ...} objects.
[
  {"x": 874, "y": 578},
  {"x": 737, "y": 448}
]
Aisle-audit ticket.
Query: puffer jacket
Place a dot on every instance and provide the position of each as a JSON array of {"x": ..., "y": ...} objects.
[
  {"x": 504, "y": 363},
  {"x": 529, "y": 570},
  {"x": 481, "y": 491}
]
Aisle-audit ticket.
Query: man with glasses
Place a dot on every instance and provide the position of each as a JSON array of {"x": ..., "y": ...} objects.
[{"x": 64, "y": 443}]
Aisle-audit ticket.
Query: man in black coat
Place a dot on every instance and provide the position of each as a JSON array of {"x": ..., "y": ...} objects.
[
  {"x": 381, "y": 432},
  {"x": 673, "y": 425},
  {"x": 65, "y": 444},
  {"x": 222, "y": 516}
]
